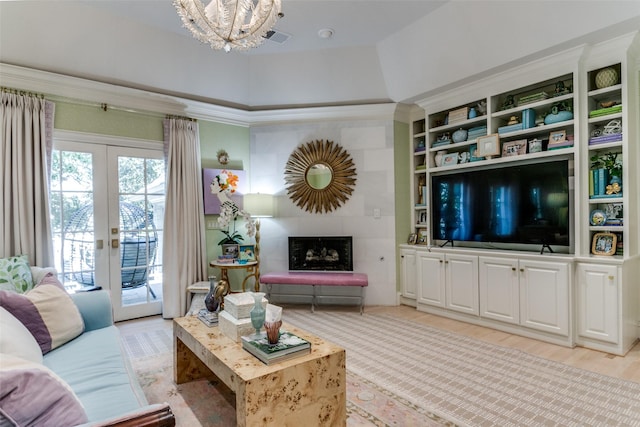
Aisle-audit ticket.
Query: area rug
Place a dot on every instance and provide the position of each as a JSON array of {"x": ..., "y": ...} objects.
[
  {"x": 206, "y": 403},
  {"x": 470, "y": 382}
]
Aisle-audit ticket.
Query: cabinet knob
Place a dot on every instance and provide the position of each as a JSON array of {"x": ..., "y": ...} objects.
[
  {"x": 513, "y": 269},
  {"x": 611, "y": 278},
  {"x": 441, "y": 261},
  {"x": 522, "y": 270}
]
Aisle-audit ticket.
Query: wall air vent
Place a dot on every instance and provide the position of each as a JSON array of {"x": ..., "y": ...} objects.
[{"x": 277, "y": 36}]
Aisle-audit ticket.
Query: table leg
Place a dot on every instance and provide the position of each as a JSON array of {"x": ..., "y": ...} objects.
[{"x": 188, "y": 367}]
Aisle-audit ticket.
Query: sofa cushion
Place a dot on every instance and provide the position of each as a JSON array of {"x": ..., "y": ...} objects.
[
  {"x": 15, "y": 274},
  {"x": 96, "y": 368},
  {"x": 16, "y": 340},
  {"x": 31, "y": 394},
  {"x": 47, "y": 311}
]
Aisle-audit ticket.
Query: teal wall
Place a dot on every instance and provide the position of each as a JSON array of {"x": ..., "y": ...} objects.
[
  {"x": 213, "y": 137},
  {"x": 402, "y": 187}
]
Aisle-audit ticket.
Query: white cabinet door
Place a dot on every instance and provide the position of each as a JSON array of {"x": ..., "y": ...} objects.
[
  {"x": 499, "y": 289},
  {"x": 461, "y": 283},
  {"x": 408, "y": 272},
  {"x": 544, "y": 296},
  {"x": 431, "y": 279},
  {"x": 598, "y": 308}
]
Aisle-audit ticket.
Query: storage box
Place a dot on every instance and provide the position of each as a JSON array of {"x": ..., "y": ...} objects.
[
  {"x": 458, "y": 115},
  {"x": 234, "y": 328},
  {"x": 239, "y": 305},
  {"x": 510, "y": 128}
]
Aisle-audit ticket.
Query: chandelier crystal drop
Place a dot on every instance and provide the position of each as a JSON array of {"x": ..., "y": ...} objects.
[{"x": 229, "y": 24}]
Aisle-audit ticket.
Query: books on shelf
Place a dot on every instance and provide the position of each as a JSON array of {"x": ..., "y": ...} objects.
[
  {"x": 207, "y": 317},
  {"x": 288, "y": 346},
  {"x": 606, "y": 111},
  {"x": 603, "y": 139}
]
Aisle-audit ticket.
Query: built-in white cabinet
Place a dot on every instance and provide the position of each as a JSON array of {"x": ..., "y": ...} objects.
[
  {"x": 598, "y": 307},
  {"x": 431, "y": 278},
  {"x": 525, "y": 292},
  {"x": 408, "y": 273}
]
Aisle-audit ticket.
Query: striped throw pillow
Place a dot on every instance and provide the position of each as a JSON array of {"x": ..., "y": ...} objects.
[{"x": 47, "y": 311}]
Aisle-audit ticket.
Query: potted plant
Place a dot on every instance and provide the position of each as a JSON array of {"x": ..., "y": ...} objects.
[{"x": 608, "y": 161}]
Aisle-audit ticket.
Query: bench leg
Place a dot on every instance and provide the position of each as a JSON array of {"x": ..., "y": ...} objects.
[
  {"x": 361, "y": 300},
  {"x": 269, "y": 285},
  {"x": 313, "y": 298}
]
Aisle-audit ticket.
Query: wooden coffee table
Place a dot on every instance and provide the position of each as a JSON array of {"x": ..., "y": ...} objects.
[{"x": 306, "y": 390}]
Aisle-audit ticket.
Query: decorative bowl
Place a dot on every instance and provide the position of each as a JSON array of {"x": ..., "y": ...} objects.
[
  {"x": 459, "y": 136},
  {"x": 242, "y": 261},
  {"x": 606, "y": 77},
  {"x": 560, "y": 116}
]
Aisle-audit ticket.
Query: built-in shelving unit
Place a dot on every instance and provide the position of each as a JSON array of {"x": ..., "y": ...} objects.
[{"x": 581, "y": 106}]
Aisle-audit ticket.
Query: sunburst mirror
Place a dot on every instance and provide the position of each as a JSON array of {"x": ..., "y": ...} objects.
[{"x": 319, "y": 176}]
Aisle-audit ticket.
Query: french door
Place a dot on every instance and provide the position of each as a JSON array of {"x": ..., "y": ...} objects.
[{"x": 107, "y": 207}]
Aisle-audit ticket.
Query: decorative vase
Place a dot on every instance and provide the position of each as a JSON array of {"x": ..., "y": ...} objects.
[
  {"x": 459, "y": 135},
  {"x": 210, "y": 300},
  {"x": 273, "y": 331},
  {"x": 257, "y": 312},
  {"x": 472, "y": 113},
  {"x": 438, "y": 157},
  {"x": 606, "y": 77},
  {"x": 560, "y": 116}
]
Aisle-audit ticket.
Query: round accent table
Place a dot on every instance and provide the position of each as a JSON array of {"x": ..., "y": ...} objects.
[{"x": 251, "y": 267}]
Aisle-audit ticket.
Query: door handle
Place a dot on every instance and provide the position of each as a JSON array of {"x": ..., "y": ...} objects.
[
  {"x": 99, "y": 244},
  {"x": 115, "y": 243}
]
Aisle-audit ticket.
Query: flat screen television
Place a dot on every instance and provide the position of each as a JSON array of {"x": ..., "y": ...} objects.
[{"x": 523, "y": 207}]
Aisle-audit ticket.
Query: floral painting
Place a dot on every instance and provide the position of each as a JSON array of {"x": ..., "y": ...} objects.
[{"x": 232, "y": 182}]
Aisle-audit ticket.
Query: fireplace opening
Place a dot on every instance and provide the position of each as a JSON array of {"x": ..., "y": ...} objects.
[{"x": 333, "y": 253}]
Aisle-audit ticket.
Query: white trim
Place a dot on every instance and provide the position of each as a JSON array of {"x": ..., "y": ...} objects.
[
  {"x": 83, "y": 91},
  {"x": 93, "y": 138}
]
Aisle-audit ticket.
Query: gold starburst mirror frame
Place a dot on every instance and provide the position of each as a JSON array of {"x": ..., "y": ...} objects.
[{"x": 319, "y": 176}]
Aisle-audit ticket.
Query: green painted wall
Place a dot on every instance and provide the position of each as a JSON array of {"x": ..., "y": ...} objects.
[
  {"x": 92, "y": 119},
  {"x": 401, "y": 155}
]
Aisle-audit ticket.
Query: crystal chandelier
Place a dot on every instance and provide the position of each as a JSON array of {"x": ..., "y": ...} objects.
[{"x": 229, "y": 24}]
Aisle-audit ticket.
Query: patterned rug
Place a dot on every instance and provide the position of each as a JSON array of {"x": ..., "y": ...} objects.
[
  {"x": 212, "y": 404},
  {"x": 468, "y": 381}
]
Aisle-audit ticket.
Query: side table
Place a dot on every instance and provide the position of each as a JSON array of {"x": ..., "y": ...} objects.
[{"x": 252, "y": 270}]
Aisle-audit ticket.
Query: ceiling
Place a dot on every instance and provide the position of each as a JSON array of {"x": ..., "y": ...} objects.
[{"x": 382, "y": 50}]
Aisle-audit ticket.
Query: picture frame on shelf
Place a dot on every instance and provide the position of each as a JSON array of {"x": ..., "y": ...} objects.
[
  {"x": 412, "y": 239},
  {"x": 604, "y": 244},
  {"x": 422, "y": 237},
  {"x": 514, "y": 148},
  {"x": 488, "y": 145},
  {"x": 450, "y": 159},
  {"x": 557, "y": 136},
  {"x": 473, "y": 153}
]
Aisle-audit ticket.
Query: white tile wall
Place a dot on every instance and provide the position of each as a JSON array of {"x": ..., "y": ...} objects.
[{"x": 370, "y": 144}]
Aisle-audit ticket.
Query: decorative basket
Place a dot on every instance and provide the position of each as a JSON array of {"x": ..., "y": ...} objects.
[{"x": 606, "y": 77}]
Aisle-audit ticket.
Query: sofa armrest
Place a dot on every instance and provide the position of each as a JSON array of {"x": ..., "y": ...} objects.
[
  {"x": 38, "y": 273},
  {"x": 157, "y": 415},
  {"x": 95, "y": 308}
]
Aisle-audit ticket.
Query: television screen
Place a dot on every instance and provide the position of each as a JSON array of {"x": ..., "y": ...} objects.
[{"x": 523, "y": 204}]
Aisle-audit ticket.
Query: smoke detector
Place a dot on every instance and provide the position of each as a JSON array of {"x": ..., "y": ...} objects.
[{"x": 325, "y": 33}]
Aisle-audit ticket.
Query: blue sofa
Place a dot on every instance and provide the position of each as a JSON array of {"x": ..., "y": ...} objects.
[{"x": 97, "y": 369}]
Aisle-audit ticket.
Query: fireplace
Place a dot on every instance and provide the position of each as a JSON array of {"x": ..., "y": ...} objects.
[{"x": 333, "y": 253}]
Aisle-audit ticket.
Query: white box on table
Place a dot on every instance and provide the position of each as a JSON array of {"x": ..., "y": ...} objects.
[
  {"x": 234, "y": 328},
  {"x": 239, "y": 305}
]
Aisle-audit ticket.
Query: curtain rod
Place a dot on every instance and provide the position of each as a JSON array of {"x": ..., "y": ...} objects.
[
  {"x": 171, "y": 116},
  {"x": 21, "y": 92}
]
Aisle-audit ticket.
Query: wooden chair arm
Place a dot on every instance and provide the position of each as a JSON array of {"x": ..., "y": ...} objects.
[{"x": 157, "y": 415}]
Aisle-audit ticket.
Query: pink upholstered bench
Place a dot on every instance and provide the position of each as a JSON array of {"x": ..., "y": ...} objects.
[{"x": 317, "y": 279}]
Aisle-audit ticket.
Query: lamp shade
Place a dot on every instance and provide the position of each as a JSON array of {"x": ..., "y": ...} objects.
[{"x": 259, "y": 205}]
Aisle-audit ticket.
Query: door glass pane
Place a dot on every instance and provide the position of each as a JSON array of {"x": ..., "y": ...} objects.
[
  {"x": 72, "y": 217},
  {"x": 141, "y": 199}
]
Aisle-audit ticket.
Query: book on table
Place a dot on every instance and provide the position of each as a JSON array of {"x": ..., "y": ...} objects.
[
  {"x": 209, "y": 318},
  {"x": 288, "y": 346}
]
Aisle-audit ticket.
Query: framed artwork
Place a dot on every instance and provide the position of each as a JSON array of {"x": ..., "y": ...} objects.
[
  {"x": 473, "y": 153},
  {"x": 230, "y": 250},
  {"x": 557, "y": 136},
  {"x": 247, "y": 252},
  {"x": 604, "y": 244},
  {"x": 488, "y": 145},
  {"x": 413, "y": 238},
  {"x": 450, "y": 159},
  {"x": 514, "y": 148},
  {"x": 233, "y": 183},
  {"x": 422, "y": 237}
]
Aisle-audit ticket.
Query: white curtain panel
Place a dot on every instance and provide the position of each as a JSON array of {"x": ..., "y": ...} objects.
[
  {"x": 184, "y": 248},
  {"x": 25, "y": 150}
]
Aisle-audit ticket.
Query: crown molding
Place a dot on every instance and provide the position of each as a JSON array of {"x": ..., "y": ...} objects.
[{"x": 83, "y": 91}]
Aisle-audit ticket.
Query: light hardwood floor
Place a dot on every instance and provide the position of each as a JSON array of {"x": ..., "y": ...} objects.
[{"x": 627, "y": 367}]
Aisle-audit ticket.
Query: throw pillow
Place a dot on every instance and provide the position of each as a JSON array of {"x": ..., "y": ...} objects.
[
  {"x": 15, "y": 274},
  {"x": 31, "y": 394},
  {"x": 16, "y": 340},
  {"x": 47, "y": 311}
]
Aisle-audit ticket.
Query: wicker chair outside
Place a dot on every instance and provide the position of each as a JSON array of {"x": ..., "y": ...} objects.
[{"x": 138, "y": 235}]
